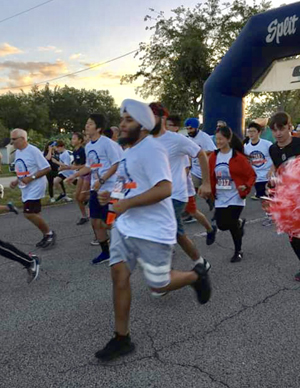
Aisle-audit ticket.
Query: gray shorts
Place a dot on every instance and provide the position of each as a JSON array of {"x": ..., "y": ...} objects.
[
  {"x": 154, "y": 258},
  {"x": 196, "y": 181},
  {"x": 179, "y": 209}
]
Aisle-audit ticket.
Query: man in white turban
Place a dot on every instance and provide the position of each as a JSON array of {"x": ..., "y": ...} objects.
[{"x": 145, "y": 229}]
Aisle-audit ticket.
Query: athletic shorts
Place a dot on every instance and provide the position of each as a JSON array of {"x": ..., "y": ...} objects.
[
  {"x": 154, "y": 258},
  {"x": 86, "y": 177},
  {"x": 191, "y": 206},
  {"x": 196, "y": 181},
  {"x": 96, "y": 210},
  {"x": 33, "y": 206},
  {"x": 62, "y": 177},
  {"x": 179, "y": 209}
]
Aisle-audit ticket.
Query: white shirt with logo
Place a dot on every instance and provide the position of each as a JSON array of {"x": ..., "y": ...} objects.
[
  {"x": 226, "y": 191},
  {"x": 260, "y": 158},
  {"x": 101, "y": 155},
  {"x": 28, "y": 162},
  {"x": 142, "y": 167},
  {"x": 179, "y": 147},
  {"x": 205, "y": 142},
  {"x": 65, "y": 158}
]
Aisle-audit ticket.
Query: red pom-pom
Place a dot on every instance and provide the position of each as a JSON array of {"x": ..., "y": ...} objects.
[{"x": 285, "y": 205}]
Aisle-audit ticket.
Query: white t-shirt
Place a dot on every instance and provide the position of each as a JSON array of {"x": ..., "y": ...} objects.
[
  {"x": 226, "y": 191},
  {"x": 100, "y": 156},
  {"x": 260, "y": 158},
  {"x": 142, "y": 167},
  {"x": 178, "y": 148},
  {"x": 205, "y": 142},
  {"x": 28, "y": 162},
  {"x": 190, "y": 185},
  {"x": 65, "y": 158}
]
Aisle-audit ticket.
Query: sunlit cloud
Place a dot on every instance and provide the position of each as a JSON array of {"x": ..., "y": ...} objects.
[
  {"x": 75, "y": 56},
  {"x": 6, "y": 49},
  {"x": 50, "y": 48}
]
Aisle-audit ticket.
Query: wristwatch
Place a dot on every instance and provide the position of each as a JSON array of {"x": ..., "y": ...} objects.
[
  {"x": 102, "y": 181},
  {"x": 33, "y": 177}
]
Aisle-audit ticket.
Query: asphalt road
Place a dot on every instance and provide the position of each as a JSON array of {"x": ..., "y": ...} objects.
[{"x": 248, "y": 335}]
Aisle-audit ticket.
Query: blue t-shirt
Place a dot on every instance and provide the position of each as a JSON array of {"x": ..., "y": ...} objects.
[{"x": 79, "y": 156}]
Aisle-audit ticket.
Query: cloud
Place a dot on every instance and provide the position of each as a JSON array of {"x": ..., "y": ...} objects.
[
  {"x": 75, "y": 56},
  {"x": 20, "y": 73},
  {"x": 110, "y": 75},
  {"x": 50, "y": 48},
  {"x": 7, "y": 49}
]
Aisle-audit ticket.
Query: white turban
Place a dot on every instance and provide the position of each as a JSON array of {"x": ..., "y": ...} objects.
[{"x": 140, "y": 112}]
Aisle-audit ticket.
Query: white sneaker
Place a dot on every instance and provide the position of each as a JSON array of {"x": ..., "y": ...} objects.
[
  {"x": 95, "y": 243},
  {"x": 52, "y": 200},
  {"x": 33, "y": 270},
  {"x": 68, "y": 199}
]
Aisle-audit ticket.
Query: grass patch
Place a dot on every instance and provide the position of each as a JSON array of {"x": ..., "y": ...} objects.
[
  {"x": 5, "y": 171},
  {"x": 14, "y": 195}
]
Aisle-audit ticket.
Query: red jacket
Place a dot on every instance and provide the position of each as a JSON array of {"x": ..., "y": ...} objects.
[{"x": 240, "y": 170}]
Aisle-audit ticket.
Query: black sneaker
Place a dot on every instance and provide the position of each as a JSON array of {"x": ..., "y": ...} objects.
[
  {"x": 202, "y": 286},
  {"x": 41, "y": 243},
  {"x": 82, "y": 221},
  {"x": 116, "y": 347},
  {"x": 33, "y": 270},
  {"x": 11, "y": 207},
  {"x": 242, "y": 225},
  {"x": 50, "y": 240},
  {"x": 211, "y": 236},
  {"x": 60, "y": 197},
  {"x": 237, "y": 257}
]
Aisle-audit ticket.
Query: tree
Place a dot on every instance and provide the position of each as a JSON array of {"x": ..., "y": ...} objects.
[{"x": 185, "y": 48}]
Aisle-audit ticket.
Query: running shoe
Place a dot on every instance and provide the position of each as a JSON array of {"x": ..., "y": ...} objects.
[
  {"x": 1, "y": 191},
  {"x": 33, "y": 270},
  {"x": 297, "y": 277},
  {"x": 254, "y": 197},
  {"x": 237, "y": 257},
  {"x": 60, "y": 197},
  {"x": 116, "y": 347},
  {"x": 12, "y": 208},
  {"x": 189, "y": 220},
  {"x": 52, "y": 200},
  {"x": 95, "y": 243},
  {"x": 102, "y": 258},
  {"x": 267, "y": 221},
  {"x": 202, "y": 285},
  {"x": 211, "y": 236},
  {"x": 50, "y": 240},
  {"x": 41, "y": 243},
  {"x": 82, "y": 221},
  {"x": 67, "y": 199}
]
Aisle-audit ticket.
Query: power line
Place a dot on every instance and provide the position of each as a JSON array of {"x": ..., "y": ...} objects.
[
  {"x": 70, "y": 74},
  {"x": 27, "y": 10}
]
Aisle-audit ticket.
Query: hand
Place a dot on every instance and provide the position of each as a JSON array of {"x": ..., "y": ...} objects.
[
  {"x": 242, "y": 187},
  {"x": 104, "y": 197},
  {"x": 121, "y": 206},
  {"x": 26, "y": 180},
  {"x": 96, "y": 186},
  {"x": 204, "y": 190},
  {"x": 62, "y": 168},
  {"x": 13, "y": 184},
  {"x": 70, "y": 179}
]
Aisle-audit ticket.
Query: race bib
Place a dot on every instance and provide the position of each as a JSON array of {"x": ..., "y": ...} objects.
[{"x": 224, "y": 184}]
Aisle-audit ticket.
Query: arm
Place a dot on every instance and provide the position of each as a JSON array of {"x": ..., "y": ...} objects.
[
  {"x": 49, "y": 154},
  {"x": 205, "y": 189},
  {"x": 38, "y": 174},
  {"x": 111, "y": 171},
  {"x": 83, "y": 171},
  {"x": 160, "y": 191}
]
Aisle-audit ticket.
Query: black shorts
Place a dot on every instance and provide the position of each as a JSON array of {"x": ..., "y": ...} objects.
[
  {"x": 96, "y": 210},
  {"x": 33, "y": 206},
  {"x": 62, "y": 177}
]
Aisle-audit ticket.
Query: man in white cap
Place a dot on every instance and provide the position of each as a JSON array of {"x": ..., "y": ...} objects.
[{"x": 145, "y": 229}]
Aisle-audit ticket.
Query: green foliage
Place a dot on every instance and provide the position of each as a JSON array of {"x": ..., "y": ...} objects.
[
  {"x": 185, "y": 48},
  {"x": 47, "y": 111}
]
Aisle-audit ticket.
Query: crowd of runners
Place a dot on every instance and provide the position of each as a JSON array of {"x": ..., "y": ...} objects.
[{"x": 137, "y": 185}]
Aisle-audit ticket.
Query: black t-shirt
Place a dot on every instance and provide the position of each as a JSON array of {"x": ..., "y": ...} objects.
[
  {"x": 281, "y": 155},
  {"x": 54, "y": 166},
  {"x": 79, "y": 156}
]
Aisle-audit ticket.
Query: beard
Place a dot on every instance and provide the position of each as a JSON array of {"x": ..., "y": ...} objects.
[
  {"x": 192, "y": 134},
  {"x": 157, "y": 128},
  {"x": 132, "y": 137}
]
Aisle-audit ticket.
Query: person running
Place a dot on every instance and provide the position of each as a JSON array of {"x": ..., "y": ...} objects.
[
  {"x": 31, "y": 168},
  {"x": 145, "y": 229},
  {"x": 102, "y": 159},
  {"x": 64, "y": 169},
  {"x": 30, "y": 262},
  {"x": 83, "y": 184},
  {"x": 50, "y": 154},
  {"x": 179, "y": 148},
  {"x": 258, "y": 151},
  {"x": 285, "y": 148},
  {"x": 232, "y": 178}
]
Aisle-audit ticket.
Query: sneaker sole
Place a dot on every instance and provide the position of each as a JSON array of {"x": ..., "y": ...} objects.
[{"x": 99, "y": 262}]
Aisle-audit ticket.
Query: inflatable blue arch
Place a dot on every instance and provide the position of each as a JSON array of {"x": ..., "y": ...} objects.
[{"x": 266, "y": 37}]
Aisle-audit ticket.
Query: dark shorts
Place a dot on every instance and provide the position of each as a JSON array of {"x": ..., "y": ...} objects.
[
  {"x": 260, "y": 188},
  {"x": 32, "y": 206},
  {"x": 179, "y": 208},
  {"x": 62, "y": 177},
  {"x": 96, "y": 210}
]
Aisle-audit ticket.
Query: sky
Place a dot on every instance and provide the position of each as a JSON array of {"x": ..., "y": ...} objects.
[{"x": 64, "y": 36}]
